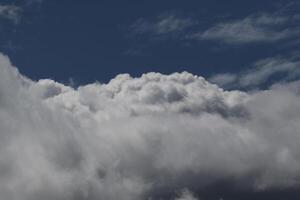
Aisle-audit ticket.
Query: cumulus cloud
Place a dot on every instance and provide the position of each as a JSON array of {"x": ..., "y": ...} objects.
[
  {"x": 260, "y": 73},
  {"x": 143, "y": 138},
  {"x": 254, "y": 28}
]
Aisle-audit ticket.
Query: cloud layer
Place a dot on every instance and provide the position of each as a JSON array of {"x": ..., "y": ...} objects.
[{"x": 153, "y": 137}]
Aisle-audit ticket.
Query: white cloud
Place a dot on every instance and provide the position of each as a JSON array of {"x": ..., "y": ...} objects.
[
  {"x": 135, "y": 138},
  {"x": 253, "y": 28},
  {"x": 261, "y": 73},
  {"x": 11, "y": 12}
]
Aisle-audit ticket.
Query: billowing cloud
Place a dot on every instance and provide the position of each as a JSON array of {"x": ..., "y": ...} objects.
[{"x": 153, "y": 137}]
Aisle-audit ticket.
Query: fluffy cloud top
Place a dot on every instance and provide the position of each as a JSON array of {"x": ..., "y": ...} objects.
[{"x": 150, "y": 137}]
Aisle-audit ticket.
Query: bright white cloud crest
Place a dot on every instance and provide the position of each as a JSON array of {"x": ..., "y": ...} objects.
[{"x": 134, "y": 137}]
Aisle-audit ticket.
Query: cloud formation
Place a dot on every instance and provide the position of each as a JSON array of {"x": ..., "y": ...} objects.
[
  {"x": 11, "y": 12},
  {"x": 151, "y": 137},
  {"x": 260, "y": 73},
  {"x": 165, "y": 25},
  {"x": 253, "y": 28}
]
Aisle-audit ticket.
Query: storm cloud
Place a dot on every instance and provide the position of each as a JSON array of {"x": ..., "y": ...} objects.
[{"x": 157, "y": 136}]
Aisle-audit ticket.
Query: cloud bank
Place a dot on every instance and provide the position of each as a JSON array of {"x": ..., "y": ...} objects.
[{"x": 153, "y": 137}]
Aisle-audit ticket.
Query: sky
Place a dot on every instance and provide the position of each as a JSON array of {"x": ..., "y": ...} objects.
[
  {"x": 87, "y": 41},
  {"x": 149, "y": 100}
]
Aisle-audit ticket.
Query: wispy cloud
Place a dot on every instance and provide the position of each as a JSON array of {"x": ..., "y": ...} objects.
[
  {"x": 257, "y": 27},
  {"x": 10, "y": 46},
  {"x": 33, "y": 2},
  {"x": 261, "y": 72},
  {"x": 11, "y": 12},
  {"x": 162, "y": 25},
  {"x": 169, "y": 26},
  {"x": 263, "y": 27}
]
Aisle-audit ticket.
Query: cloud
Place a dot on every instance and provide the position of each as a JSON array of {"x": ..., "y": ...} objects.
[
  {"x": 164, "y": 27},
  {"x": 261, "y": 73},
  {"x": 264, "y": 27},
  {"x": 166, "y": 24},
  {"x": 33, "y": 2},
  {"x": 225, "y": 80},
  {"x": 11, "y": 12},
  {"x": 14, "y": 13},
  {"x": 254, "y": 28},
  {"x": 186, "y": 195},
  {"x": 144, "y": 138}
]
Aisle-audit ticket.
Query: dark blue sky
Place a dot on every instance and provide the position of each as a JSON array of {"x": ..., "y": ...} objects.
[{"x": 96, "y": 40}]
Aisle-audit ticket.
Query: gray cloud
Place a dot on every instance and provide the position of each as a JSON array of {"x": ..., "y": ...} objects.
[{"x": 143, "y": 138}]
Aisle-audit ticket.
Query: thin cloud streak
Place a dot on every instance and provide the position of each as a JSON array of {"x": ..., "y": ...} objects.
[
  {"x": 260, "y": 73},
  {"x": 254, "y": 28},
  {"x": 166, "y": 24}
]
